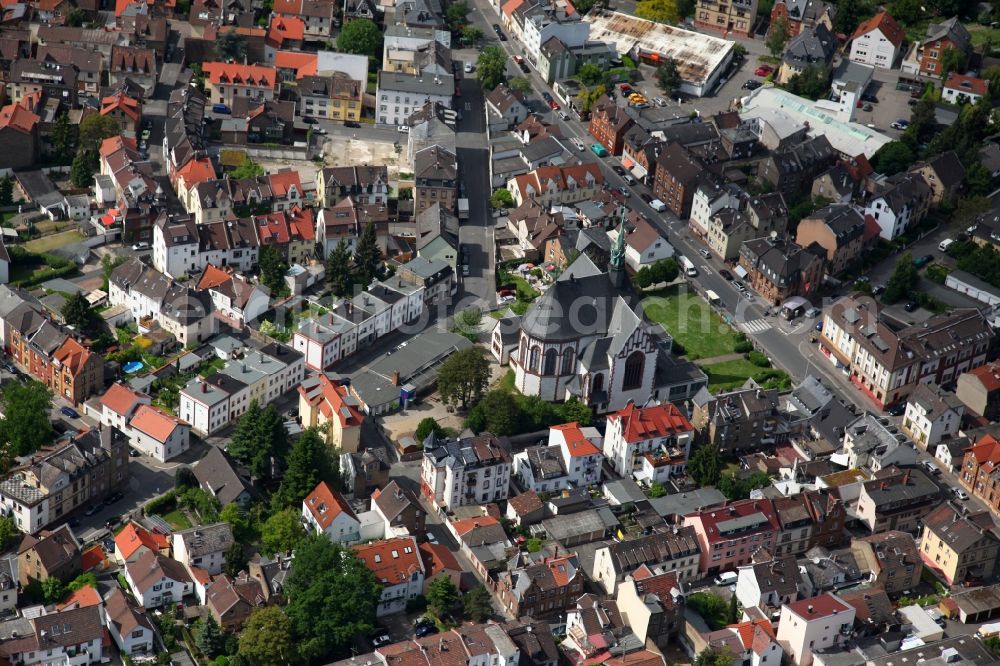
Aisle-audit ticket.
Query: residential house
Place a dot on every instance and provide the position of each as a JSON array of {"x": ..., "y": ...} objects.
[
  {"x": 435, "y": 276},
  {"x": 58, "y": 480},
  {"x": 203, "y": 547},
  {"x": 644, "y": 245},
  {"x": 887, "y": 362},
  {"x": 871, "y": 443},
  {"x": 324, "y": 401},
  {"x": 129, "y": 627},
  {"x": 944, "y": 174},
  {"x": 960, "y": 545},
  {"x": 649, "y": 443},
  {"x": 730, "y": 534},
  {"x": 792, "y": 169},
  {"x": 728, "y": 229},
  {"x": 160, "y": 435},
  {"x": 229, "y": 80},
  {"x": 877, "y": 41},
  {"x": 736, "y": 18},
  {"x": 19, "y": 135},
  {"x": 553, "y": 185},
  {"x": 767, "y": 583},
  {"x": 811, "y": 625},
  {"x": 363, "y": 473},
  {"x": 459, "y": 472},
  {"x": 217, "y": 474},
  {"x": 231, "y": 601},
  {"x": 366, "y": 185},
  {"x": 803, "y": 14},
  {"x": 125, "y": 110},
  {"x": 71, "y": 636},
  {"x": 398, "y": 568},
  {"x": 901, "y": 202},
  {"x": 750, "y": 643},
  {"x": 812, "y": 48},
  {"x": 400, "y": 95},
  {"x": 134, "y": 541},
  {"x": 676, "y": 178},
  {"x": 435, "y": 172},
  {"x": 809, "y": 519},
  {"x": 963, "y": 89},
  {"x": 484, "y": 542},
  {"x": 979, "y": 390},
  {"x": 133, "y": 63},
  {"x": 839, "y": 229},
  {"x": 235, "y": 299},
  {"x": 890, "y": 559},
  {"x": 505, "y": 108},
  {"x": 541, "y": 469},
  {"x": 608, "y": 124},
  {"x": 932, "y": 414},
  {"x": 652, "y": 602},
  {"x": 540, "y": 589},
  {"x": 978, "y": 474},
  {"x": 317, "y": 15},
  {"x": 925, "y": 56},
  {"x": 158, "y": 581},
  {"x": 581, "y": 452},
  {"x": 675, "y": 549},
  {"x": 736, "y": 420},
  {"x": 896, "y": 500},
  {"x": 333, "y": 97},
  {"x": 325, "y": 511},
  {"x": 51, "y": 554},
  {"x": 399, "y": 509}
]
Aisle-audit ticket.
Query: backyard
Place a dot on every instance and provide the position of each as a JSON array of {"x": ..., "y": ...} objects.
[
  {"x": 732, "y": 374},
  {"x": 54, "y": 241}
]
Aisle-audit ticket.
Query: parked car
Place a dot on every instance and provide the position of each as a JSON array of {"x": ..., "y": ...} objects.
[
  {"x": 404, "y": 129},
  {"x": 351, "y": 123},
  {"x": 646, "y": 197},
  {"x": 705, "y": 253},
  {"x": 139, "y": 247},
  {"x": 69, "y": 412},
  {"x": 625, "y": 89},
  {"x": 659, "y": 101},
  {"x": 752, "y": 84},
  {"x": 628, "y": 178},
  {"x": 469, "y": 67},
  {"x": 599, "y": 150},
  {"x": 554, "y": 105},
  {"x": 113, "y": 497},
  {"x": 867, "y": 107},
  {"x": 812, "y": 313},
  {"x": 547, "y": 97},
  {"x": 618, "y": 169},
  {"x": 524, "y": 67},
  {"x": 899, "y": 124},
  {"x": 94, "y": 508},
  {"x": 763, "y": 70},
  {"x": 960, "y": 494},
  {"x": 869, "y": 97},
  {"x": 309, "y": 121},
  {"x": 878, "y": 289},
  {"x": 221, "y": 108},
  {"x": 133, "y": 453},
  {"x": 910, "y": 306},
  {"x": 897, "y": 410},
  {"x": 726, "y": 275},
  {"x": 380, "y": 638},
  {"x": 579, "y": 144},
  {"x": 920, "y": 262}
]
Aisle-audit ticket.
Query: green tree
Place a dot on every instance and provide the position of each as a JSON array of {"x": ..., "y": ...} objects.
[
  {"x": 656, "y": 489},
  {"x": 367, "y": 255},
  {"x": 501, "y": 198},
  {"x": 455, "y": 15},
  {"x": 952, "y": 60},
  {"x": 978, "y": 182},
  {"x": 208, "y": 637},
  {"x": 309, "y": 462},
  {"x": 267, "y": 637},
  {"x": 26, "y": 425},
  {"x": 361, "y": 37},
  {"x": 88, "y": 579},
  {"x": 968, "y": 209},
  {"x": 184, "y": 478},
  {"x": 332, "y": 597},
  {"x": 661, "y": 11},
  {"x": 94, "y": 129},
  {"x": 520, "y": 84},
  {"x": 590, "y": 74},
  {"x": 714, "y": 657},
  {"x": 53, "y": 590},
  {"x": 587, "y": 97},
  {"x": 734, "y": 609},
  {"x": 231, "y": 45},
  {"x": 75, "y": 18},
  {"x": 922, "y": 123},
  {"x": 338, "y": 269},
  {"x": 668, "y": 77},
  {"x": 497, "y": 413},
  {"x": 84, "y": 165},
  {"x": 233, "y": 515},
  {"x": 6, "y": 191},
  {"x": 260, "y": 440},
  {"x": 904, "y": 279},
  {"x": 665, "y": 270},
  {"x": 893, "y": 157},
  {"x": 777, "y": 37},
  {"x": 443, "y": 597},
  {"x": 907, "y": 12},
  {"x": 812, "y": 82},
  {"x": 62, "y": 137},
  {"x": 463, "y": 377},
  {"x": 643, "y": 277},
  {"x": 491, "y": 67},
  {"x": 282, "y": 532},
  {"x": 705, "y": 466},
  {"x": 8, "y": 532},
  {"x": 427, "y": 426},
  {"x": 478, "y": 604},
  {"x": 850, "y": 13},
  {"x": 712, "y": 608},
  {"x": 247, "y": 169},
  {"x": 272, "y": 270},
  {"x": 78, "y": 313},
  {"x": 471, "y": 35},
  {"x": 235, "y": 559}
]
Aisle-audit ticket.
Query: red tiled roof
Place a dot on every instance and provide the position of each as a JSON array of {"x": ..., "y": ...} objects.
[
  {"x": 988, "y": 375},
  {"x": 884, "y": 22},
  {"x": 92, "y": 557},
  {"x": 756, "y": 635},
  {"x": 437, "y": 559},
  {"x": 819, "y": 607},
  {"x": 966, "y": 84},
  {"x": 17, "y": 117},
  {"x": 134, "y": 537},
  {"x": 283, "y": 28},
  {"x": 986, "y": 451},
  {"x": 282, "y": 181},
  {"x": 576, "y": 443},
  {"x": 128, "y": 106},
  {"x": 463, "y": 527},
  {"x": 212, "y": 277},
  {"x": 121, "y": 399},
  {"x": 392, "y": 561},
  {"x": 642, "y": 423},
  {"x": 272, "y": 229},
  {"x": 302, "y": 224},
  {"x": 155, "y": 422},
  {"x": 72, "y": 355},
  {"x": 85, "y": 596},
  {"x": 197, "y": 171},
  {"x": 236, "y": 74},
  {"x": 712, "y": 518},
  {"x": 304, "y": 64},
  {"x": 331, "y": 401},
  {"x": 326, "y": 504}
]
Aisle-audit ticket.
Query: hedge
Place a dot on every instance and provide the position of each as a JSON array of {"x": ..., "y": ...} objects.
[{"x": 163, "y": 504}]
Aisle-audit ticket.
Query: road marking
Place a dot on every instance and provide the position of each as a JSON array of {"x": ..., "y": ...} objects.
[
  {"x": 756, "y": 326},
  {"x": 706, "y": 270}
]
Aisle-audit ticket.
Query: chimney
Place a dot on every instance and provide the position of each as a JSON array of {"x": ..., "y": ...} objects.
[
  {"x": 204, "y": 387},
  {"x": 395, "y": 378}
]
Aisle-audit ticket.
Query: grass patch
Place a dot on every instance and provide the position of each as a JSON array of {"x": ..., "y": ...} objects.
[
  {"x": 691, "y": 321},
  {"x": 213, "y": 366},
  {"x": 732, "y": 374},
  {"x": 177, "y": 519},
  {"x": 982, "y": 34},
  {"x": 53, "y": 242}
]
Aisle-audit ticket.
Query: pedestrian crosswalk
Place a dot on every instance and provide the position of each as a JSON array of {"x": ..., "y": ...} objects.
[{"x": 756, "y": 325}]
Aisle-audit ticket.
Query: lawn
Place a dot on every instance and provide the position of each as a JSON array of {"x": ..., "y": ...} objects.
[
  {"x": 177, "y": 519},
  {"x": 983, "y": 33},
  {"x": 53, "y": 242},
  {"x": 732, "y": 374},
  {"x": 691, "y": 322}
]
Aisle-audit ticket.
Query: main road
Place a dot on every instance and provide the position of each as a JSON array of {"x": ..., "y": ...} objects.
[{"x": 786, "y": 344}]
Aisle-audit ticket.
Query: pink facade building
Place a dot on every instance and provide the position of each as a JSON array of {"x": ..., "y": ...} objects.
[{"x": 731, "y": 534}]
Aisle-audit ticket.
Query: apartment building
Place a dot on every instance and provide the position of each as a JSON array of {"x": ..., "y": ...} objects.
[
  {"x": 890, "y": 559},
  {"x": 778, "y": 269},
  {"x": 203, "y": 547},
  {"x": 83, "y": 471},
  {"x": 541, "y": 589},
  {"x": 227, "y": 81},
  {"x": 398, "y": 567},
  {"x": 896, "y": 500},
  {"x": 926, "y": 56},
  {"x": 738, "y": 420},
  {"x": 676, "y": 549},
  {"x": 809, "y": 519},
  {"x": 327, "y": 403},
  {"x": 932, "y": 414},
  {"x": 979, "y": 390},
  {"x": 810, "y": 625},
  {"x": 650, "y": 443},
  {"x": 727, "y": 18},
  {"x": 550, "y": 186},
  {"x": 609, "y": 123},
  {"x": 676, "y": 178},
  {"x": 729, "y": 535},
  {"x": 363, "y": 184},
  {"x": 435, "y": 172},
  {"x": 877, "y": 41},
  {"x": 873, "y": 442},
  {"x": 326, "y": 512},
  {"x": 580, "y": 449},
  {"x": 959, "y": 544},
  {"x": 979, "y": 473},
  {"x": 652, "y": 603},
  {"x": 459, "y": 472},
  {"x": 899, "y": 203}
]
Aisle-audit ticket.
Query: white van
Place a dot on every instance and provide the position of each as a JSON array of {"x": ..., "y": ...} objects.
[
  {"x": 728, "y": 578},
  {"x": 945, "y": 244},
  {"x": 688, "y": 267},
  {"x": 657, "y": 205},
  {"x": 989, "y": 630}
]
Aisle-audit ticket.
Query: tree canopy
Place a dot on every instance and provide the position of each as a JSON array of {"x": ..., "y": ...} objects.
[
  {"x": 247, "y": 169},
  {"x": 478, "y": 604},
  {"x": 267, "y": 637},
  {"x": 367, "y": 255},
  {"x": 443, "y": 597},
  {"x": 777, "y": 37},
  {"x": 361, "y": 37},
  {"x": 332, "y": 597},
  {"x": 260, "y": 440},
  {"x": 661, "y": 11},
  {"x": 95, "y": 128},
  {"x": 903, "y": 280},
  {"x": 668, "y": 77},
  {"x": 78, "y": 313},
  {"x": 338, "y": 269},
  {"x": 491, "y": 67},
  {"x": 309, "y": 462},
  {"x": 850, "y": 13},
  {"x": 893, "y": 157},
  {"x": 231, "y": 45},
  {"x": 282, "y": 532},
  {"x": 26, "y": 425},
  {"x": 712, "y": 608},
  {"x": 705, "y": 466},
  {"x": 463, "y": 377},
  {"x": 272, "y": 270}
]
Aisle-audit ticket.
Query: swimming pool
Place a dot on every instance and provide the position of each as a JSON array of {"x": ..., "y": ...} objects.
[{"x": 132, "y": 367}]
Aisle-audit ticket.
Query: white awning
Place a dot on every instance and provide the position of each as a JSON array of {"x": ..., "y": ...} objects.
[{"x": 739, "y": 270}]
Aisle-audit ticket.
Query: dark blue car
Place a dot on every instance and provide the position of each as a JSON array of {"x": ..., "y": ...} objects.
[{"x": 70, "y": 412}]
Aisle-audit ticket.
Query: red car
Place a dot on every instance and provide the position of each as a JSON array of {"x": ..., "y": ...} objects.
[
  {"x": 625, "y": 88},
  {"x": 763, "y": 70},
  {"x": 553, "y": 105}
]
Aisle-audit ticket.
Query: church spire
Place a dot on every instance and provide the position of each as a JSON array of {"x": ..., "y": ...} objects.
[{"x": 616, "y": 264}]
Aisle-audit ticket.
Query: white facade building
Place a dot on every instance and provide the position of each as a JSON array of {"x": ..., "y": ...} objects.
[
  {"x": 931, "y": 415},
  {"x": 581, "y": 452},
  {"x": 474, "y": 470},
  {"x": 398, "y": 566},
  {"x": 325, "y": 511},
  {"x": 204, "y": 546},
  {"x": 877, "y": 41},
  {"x": 812, "y": 625},
  {"x": 661, "y": 433}
]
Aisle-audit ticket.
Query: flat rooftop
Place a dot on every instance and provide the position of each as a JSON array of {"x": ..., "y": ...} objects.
[
  {"x": 775, "y": 105},
  {"x": 697, "y": 55}
]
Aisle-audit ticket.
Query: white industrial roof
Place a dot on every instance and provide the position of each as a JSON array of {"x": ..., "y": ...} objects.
[{"x": 769, "y": 104}]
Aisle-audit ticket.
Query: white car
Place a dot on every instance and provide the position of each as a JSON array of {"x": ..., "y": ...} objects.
[
  {"x": 579, "y": 144},
  {"x": 468, "y": 67},
  {"x": 960, "y": 494},
  {"x": 403, "y": 129},
  {"x": 628, "y": 179},
  {"x": 705, "y": 253}
]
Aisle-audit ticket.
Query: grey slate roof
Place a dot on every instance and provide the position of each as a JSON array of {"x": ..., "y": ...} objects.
[{"x": 811, "y": 47}]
